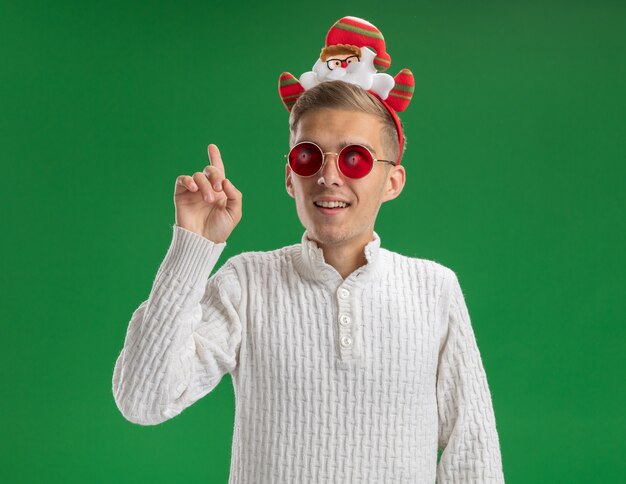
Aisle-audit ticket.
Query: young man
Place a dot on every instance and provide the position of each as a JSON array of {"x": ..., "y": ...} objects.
[{"x": 350, "y": 363}]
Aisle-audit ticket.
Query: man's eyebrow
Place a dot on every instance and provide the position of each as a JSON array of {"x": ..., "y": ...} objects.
[{"x": 344, "y": 143}]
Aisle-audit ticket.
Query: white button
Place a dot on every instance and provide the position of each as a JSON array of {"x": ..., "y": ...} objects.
[
  {"x": 344, "y": 319},
  {"x": 343, "y": 293},
  {"x": 346, "y": 341}
]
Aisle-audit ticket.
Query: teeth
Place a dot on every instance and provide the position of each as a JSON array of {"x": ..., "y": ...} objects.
[{"x": 331, "y": 204}]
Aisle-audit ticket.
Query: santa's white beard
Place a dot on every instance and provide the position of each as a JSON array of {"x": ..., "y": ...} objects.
[{"x": 335, "y": 74}]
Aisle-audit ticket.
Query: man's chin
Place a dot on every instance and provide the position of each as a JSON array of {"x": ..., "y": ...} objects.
[{"x": 327, "y": 234}]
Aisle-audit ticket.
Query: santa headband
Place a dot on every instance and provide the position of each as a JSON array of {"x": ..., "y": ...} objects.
[{"x": 355, "y": 52}]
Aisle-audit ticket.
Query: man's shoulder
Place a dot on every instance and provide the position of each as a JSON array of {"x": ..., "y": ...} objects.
[
  {"x": 270, "y": 256},
  {"x": 420, "y": 264}
]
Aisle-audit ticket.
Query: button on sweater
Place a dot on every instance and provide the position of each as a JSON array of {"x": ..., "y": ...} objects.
[{"x": 355, "y": 380}]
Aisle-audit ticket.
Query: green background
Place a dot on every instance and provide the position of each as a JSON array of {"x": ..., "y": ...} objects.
[{"x": 515, "y": 180}]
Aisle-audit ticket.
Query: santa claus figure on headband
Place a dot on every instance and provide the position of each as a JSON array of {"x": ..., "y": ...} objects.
[
  {"x": 348, "y": 63},
  {"x": 355, "y": 52}
]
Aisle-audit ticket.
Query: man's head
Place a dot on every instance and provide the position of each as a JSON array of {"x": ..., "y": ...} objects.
[
  {"x": 334, "y": 114},
  {"x": 347, "y": 96}
]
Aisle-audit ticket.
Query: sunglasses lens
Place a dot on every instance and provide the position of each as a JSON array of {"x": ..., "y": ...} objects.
[
  {"x": 305, "y": 159},
  {"x": 355, "y": 161}
]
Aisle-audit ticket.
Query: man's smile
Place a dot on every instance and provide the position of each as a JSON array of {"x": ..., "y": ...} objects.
[{"x": 331, "y": 208}]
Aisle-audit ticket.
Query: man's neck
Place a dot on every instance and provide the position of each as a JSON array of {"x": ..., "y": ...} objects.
[{"x": 345, "y": 258}]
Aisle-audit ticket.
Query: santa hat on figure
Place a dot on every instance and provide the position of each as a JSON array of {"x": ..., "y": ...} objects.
[{"x": 354, "y": 52}]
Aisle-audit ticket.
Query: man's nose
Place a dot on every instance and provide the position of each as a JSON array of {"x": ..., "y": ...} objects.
[
  {"x": 329, "y": 174},
  {"x": 344, "y": 63}
]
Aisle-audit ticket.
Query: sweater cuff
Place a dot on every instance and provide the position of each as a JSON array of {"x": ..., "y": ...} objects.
[{"x": 191, "y": 256}]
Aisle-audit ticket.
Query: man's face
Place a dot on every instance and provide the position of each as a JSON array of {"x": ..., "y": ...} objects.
[{"x": 331, "y": 130}]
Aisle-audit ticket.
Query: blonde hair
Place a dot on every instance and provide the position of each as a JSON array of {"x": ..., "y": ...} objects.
[
  {"x": 339, "y": 94},
  {"x": 340, "y": 49}
]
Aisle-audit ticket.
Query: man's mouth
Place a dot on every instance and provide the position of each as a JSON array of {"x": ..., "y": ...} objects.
[
  {"x": 335, "y": 204},
  {"x": 331, "y": 208}
]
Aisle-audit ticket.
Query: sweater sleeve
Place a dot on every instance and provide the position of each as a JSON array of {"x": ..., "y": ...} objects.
[
  {"x": 184, "y": 337},
  {"x": 468, "y": 439}
]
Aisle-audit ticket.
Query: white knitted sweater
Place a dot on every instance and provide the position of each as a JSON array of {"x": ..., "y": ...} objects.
[{"x": 336, "y": 381}]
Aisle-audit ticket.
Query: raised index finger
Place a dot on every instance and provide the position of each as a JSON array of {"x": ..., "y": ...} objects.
[{"x": 215, "y": 158}]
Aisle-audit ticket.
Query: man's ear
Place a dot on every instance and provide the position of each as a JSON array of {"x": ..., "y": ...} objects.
[
  {"x": 288, "y": 183},
  {"x": 395, "y": 183}
]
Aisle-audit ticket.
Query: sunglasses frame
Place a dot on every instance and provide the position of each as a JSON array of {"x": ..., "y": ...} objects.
[{"x": 324, "y": 153}]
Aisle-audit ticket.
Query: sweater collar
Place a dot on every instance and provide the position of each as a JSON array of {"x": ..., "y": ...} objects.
[{"x": 310, "y": 262}]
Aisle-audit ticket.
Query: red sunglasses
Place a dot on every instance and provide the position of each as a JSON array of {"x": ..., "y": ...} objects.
[{"x": 354, "y": 161}]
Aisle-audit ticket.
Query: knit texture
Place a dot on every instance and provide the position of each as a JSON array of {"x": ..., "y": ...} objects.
[{"x": 356, "y": 380}]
